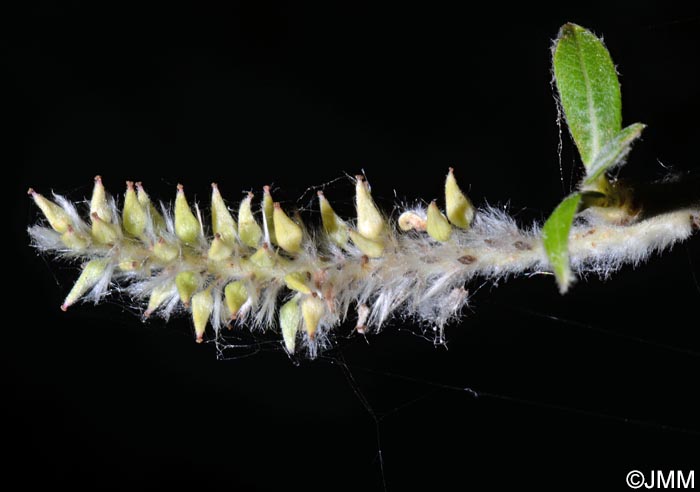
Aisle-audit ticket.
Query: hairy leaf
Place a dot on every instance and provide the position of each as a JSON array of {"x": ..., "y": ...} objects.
[
  {"x": 588, "y": 89},
  {"x": 614, "y": 152},
  {"x": 555, "y": 237}
]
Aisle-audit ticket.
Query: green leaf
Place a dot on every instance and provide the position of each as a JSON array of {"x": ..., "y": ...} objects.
[
  {"x": 555, "y": 236},
  {"x": 614, "y": 152},
  {"x": 588, "y": 90}
]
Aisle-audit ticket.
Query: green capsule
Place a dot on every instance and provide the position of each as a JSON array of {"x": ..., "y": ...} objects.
[
  {"x": 187, "y": 283},
  {"x": 91, "y": 274},
  {"x": 263, "y": 257},
  {"x": 370, "y": 222},
  {"x": 373, "y": 249},
  {"x": 103, "y": 232},
  {"x": 219, "y": 250},
  {"x": 187, "y": 226},
  {"x": 157, "y": 220},
  {"x": 312, "y": 310},
  {"x": 290, "y": 319},
  {"x": 249, "y": 231},
  {"x": 99, "y": 203},
  {"x": 334, "y": 226},
  {"x": 57, "y": 217},
  {"x": 437, "y": 225},
  {"x": 74, "y": 240},
  {"x": 165, "y": 251},
  {"x": 298, "y": 281},
  {"x": 221, "y": 220},
  {"x": 235, "y": 295},
  {"x": 268, "y": 209},
  {"x": 159, "y": 295},
  {"x": 459, "y": 208},
  {"x": 202, "y": 307},
  {"x": 289, "y": 234},
  {"x": 134, "y": 217}
]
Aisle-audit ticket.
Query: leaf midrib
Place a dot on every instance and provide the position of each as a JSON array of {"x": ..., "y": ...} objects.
[{"x": 595, "y": 140}]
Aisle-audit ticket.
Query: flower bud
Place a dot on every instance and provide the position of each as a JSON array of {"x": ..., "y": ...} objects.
[
  {"x": 289, "y": 234},
  {"x": 187, "y": 226},
  {"x": 334, "y": 226},
  {"x": 91, "y": 274},
  {"x": 74, "y": 240},
  {"x": 103, "y": 232},
  {"x": 370, "y": 222},
  {"x": 290, "y": 319},
  {"x": 249, "y": 231},
  {"x": 221, "y": 220},
  {"x": 187, "y": 283},
  {"x": 459, "y": 209},
  {"x": 235, "y": 294},
  {"x": 437, "y": 225},
  {"x": 312, "y": 310},
  {"x": 202, "y": 307},
  {"x": 57, "y": 217},
  {"x": 99, "y": 204},
  {"x": 134, "y": 216},
  {"x": 373, "y": 249}
]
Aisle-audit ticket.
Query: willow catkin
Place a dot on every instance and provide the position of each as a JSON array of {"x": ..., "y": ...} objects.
[{"x": 303, "y": 283}]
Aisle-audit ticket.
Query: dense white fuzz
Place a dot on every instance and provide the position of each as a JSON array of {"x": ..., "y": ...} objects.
[{"x": 240, "y": 277}]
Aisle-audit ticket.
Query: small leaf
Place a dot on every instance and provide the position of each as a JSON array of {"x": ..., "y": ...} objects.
[
  {"x": 614, "y": 152},
  {"x": 555, "y": 236},
  {"x": 588, "y": 89}
]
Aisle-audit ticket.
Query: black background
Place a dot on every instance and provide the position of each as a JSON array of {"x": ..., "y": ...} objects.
[{"x": 296, "y": 96}]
